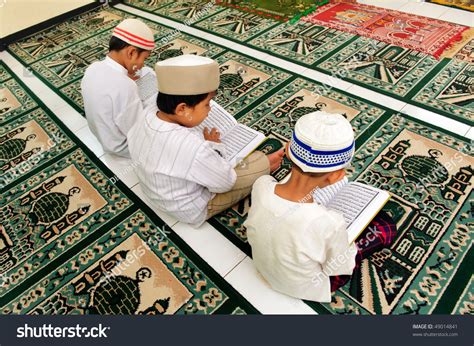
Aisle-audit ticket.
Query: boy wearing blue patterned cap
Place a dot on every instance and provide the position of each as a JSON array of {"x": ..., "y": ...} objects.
[{"x": 299, "y": 246}]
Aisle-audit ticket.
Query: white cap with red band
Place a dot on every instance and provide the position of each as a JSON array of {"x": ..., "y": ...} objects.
[{"x": 135, "y": 33}]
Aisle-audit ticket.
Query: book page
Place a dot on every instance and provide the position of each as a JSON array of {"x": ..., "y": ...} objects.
[
  {"x": 326, "y": 194},
  {"x": 240, "y": 142},
  {"x": 351, "y": 200},
  {"x": 367, "y": 215},
  {"x": 219, "y": 118},
  {"x": 147, "y": 87},
  {"x": 359, "y": 204}
]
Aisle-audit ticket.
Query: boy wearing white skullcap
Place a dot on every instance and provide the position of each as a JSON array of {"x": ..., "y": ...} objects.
[
  {"x": 111, "y": 100},
  {"x": 298, "y": 245},
  {"x": 179, "y": 169}
]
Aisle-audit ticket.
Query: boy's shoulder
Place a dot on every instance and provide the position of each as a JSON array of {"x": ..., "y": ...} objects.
[
  {"x": 92, "y": 71},
  {"x": 187, "y": 138},
  {"x": 101, "y": 75},
  {"x": 100, "y": 66},
  {"x": 263, "y": 183},
  {"x": 195, "y": 137}
]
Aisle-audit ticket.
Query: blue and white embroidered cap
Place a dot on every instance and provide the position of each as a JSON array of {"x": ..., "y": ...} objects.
[{"x": 322, "y": 142}]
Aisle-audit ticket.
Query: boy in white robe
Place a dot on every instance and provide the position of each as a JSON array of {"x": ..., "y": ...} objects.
[
  {"x": 299, "y": 246},
  {"x": 111, "y": 100},
  {"x": 179, "y": 168}
]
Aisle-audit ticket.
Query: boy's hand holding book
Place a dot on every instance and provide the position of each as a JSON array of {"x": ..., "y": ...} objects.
[
  {"x": 275, "y": 159},
  {"x": 213, "y": 136},
  {"x": 236, "y": 141}
]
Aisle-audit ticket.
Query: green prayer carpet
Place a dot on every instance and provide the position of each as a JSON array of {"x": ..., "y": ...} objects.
[
  {"x": 428, "y": 170},
  {"x": 75, "y": 241}
]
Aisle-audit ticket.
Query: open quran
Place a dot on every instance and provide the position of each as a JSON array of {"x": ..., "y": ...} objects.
[
  {"x": 238, "y": 140},
  {"x": 358, "y": 203},
  {"x": 147, "y": 88}
]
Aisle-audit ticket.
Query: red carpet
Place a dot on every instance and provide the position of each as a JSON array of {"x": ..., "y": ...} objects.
[{"x": 427, "y": 35}]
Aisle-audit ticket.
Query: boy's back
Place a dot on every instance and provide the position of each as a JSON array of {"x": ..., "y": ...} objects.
[
  {"x": 180, "y": 167},
  {"x": 300, "y": 246},
  {"x": 182, "y": 170},
  {"x": 109, "y": 102},
  {"x": 294, "y": 244}
]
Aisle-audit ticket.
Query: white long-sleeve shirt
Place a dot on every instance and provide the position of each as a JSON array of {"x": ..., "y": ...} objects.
[
  {"x": 179, "y": 171},
  {"x": 297, "y": 246},
  {"x": 111, "y": 103}
]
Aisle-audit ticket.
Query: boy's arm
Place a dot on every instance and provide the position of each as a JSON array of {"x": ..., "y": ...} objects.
[
  {"x": 211, "y": 170},
  {"x": 340, "y": 256},
  {"x": 132, "y": 112}
]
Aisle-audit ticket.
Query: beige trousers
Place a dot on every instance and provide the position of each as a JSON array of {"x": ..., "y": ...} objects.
[{"x": 248, "y": 171}]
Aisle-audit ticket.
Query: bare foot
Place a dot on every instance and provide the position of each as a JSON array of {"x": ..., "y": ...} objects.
[{"x": 275, "y": 159}]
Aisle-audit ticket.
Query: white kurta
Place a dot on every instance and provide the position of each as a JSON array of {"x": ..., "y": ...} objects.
[
  {"x": 111, "y": 103},
  {"x": 297, "y": 246},
  {"x": 179, "y": 171}
]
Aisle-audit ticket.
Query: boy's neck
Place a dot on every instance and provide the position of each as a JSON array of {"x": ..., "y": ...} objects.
[
  {"x": 299, "y": 188},
  {"x": 169, "y": 118},
  {"x": 115, "y": 56}
]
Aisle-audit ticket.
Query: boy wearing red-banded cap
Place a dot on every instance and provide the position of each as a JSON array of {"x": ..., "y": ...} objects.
[{"x": 111, "y": 100}]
